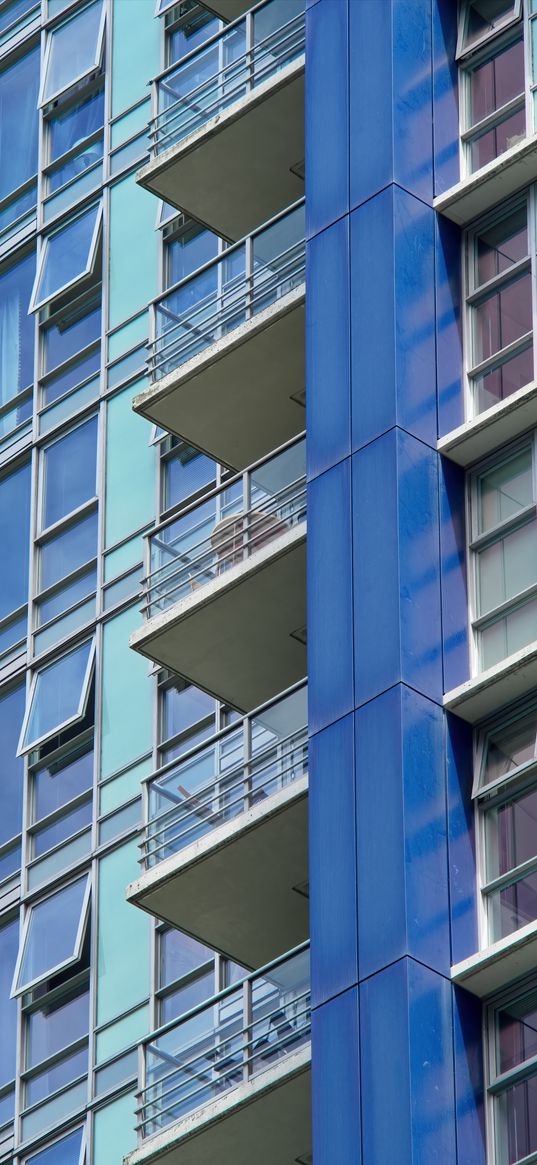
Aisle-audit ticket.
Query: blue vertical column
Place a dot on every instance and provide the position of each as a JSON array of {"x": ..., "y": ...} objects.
[{"x": 396, "y": 1050}]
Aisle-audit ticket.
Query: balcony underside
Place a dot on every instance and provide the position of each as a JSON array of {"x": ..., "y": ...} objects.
[
  {"x": 499, "y": 965},
  {"x": 234, "y": 636},
  {"x": 496, "y": 181},
  {"x": 227, "y": 9},
  {"x": 235, "y": 172},
  {"x": 266, "y": 1121},
  {"x": 233, "y": 401},
  {"x": 234, "y": 889}
]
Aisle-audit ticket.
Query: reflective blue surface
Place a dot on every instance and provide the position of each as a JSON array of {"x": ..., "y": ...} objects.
[
  {"x": 68, "y": 255},
  {"x": 16, "y": 329},
  {"x": 70, "y": 471},
  {"x": 14, "y": 532},
  {"x": 9, "y": 945},
  {"x": 12, "y": 707},
  {"x": 20, "y": 119}
]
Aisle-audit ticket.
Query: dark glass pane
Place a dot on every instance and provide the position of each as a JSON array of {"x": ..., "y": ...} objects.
[
  {"x": 14, "y": 12},
  {"x": 190, "y": 250},
  {"x": 16, "y": 329},
  {"x": 191, "y": 34},
  {"x": 502, "y": 382},
  {"x": 497, "y": 81},
  {"x": 503, "y": 318},
  {"x": 185, "y": 472},
  {"x": 514, "y": 906},
  {"x": 67, "y": 551},
  {"x": 12, "y": 708},
  {"x": 58, "y": 784},
  {"x": 182, "y": 707},
  {"x": 179, "y": 955},
  {"x": 14, "y": 538},
  {"x": 19, "y": 90},
  {"x": 490, "y": 145},
  {"x": 517, "y": 1033},
  {"x": 57, "y": 1076},
  {"x": 197, "y": 991},
  {"x": 511, "y": 747},
  {"x": 501, "y": 245},
  {"x": 64, "y": 1152},
  {"x": 516, "y": 831},
  {"x": 79, "y": 122},
  {"x": 485, "y": 15},
  {"x": 70, "y": 472},
  {"x": 9, "y": 943},
  {"x": 62, "y": 829},
  {"x": 57, "y": 1024},
  {"x": 70, "y": 334},
  {"x": 518, "y": 1108}
]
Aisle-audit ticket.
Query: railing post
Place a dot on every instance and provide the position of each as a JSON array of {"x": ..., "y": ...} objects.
[
  {"x": 247, "y": 745},
  {"x": 246, "y": 1027},
  {"x": 141, "y": 1091},
  {"x": 246, "y": 504},
  {"x": 250, "y": 59}
]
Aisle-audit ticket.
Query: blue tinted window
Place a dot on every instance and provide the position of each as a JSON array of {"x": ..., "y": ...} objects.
[
  {"x": 191, "y": 34},
  {"x": 53, "y": 933},
  {"x": 68, "y": 256},
  {"x": 57, "y": 785},
  {"x": 74, "y": 375},
  {"x": 58, "y": 695},
  {"x": 70, "y": 472},
  {"x": 63, "y": 554},
  {"x": 16, "y": 328},
  {"x": 11, "y": 717},
  {"x": 68, "y": 597},
  {"x": 58, "y": 1023},
  {"x": 9, "y": 941},
  {"x": 183, "y": 706},
  {"x": 74, "y": 50},
  {"x": 18, "y": 122},
  {"x": 67, "y": 337},
  {"x": 189, "y": 251},
  {"x": 14, "y": 11},
  {"x": 14, "y": 539},
  {"x": 185, "y": 472},
  {"x": 69, "y": 128},
  {"x": 64, "y": 1152}
]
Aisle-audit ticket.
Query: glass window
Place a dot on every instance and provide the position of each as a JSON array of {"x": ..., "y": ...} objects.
[
  {"x": 69, "y": 472},
  {"x": 14, "y": 11},
  {"x": 12, "y": 767},
  {"x": 9, "y": 942},
  {"x": 55, "y": 1023},
  {"x": 19, "y": 122},
  {"x": 513, "y": 1037},
  {"x": 58, "y": 783},
  {"x": 16, "y": 329},
  {"x": 73, "y": 50},
  {"x": 495, "y": 116},
  {"x": 14, "y": 538},
  {"x": 185, "y": 472},
  {"x": 53, "y": 935},
  {"x": 68, "y": 551},
  {"x": 508, "y": 748},
  {"x": 58, "y": 696},
  {"x": 76, "y": 330},
  {"x": 183, "y": 962},
  {"x": 68, "y": 255},
  {"x": 188, "y": 716},
  {"x": 189, "y": 249},
  {"x": 180, "y": 955},
  {"x": 483, "y": 18},
  {"x": 69, "y": 130},
  {"x": 67, "y": 1151}
]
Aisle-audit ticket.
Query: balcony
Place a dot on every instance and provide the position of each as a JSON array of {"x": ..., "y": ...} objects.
[
  {"x": 227, "y": 135},
  {"x": 214, "y": 822},
  {"x": 230, "y": 1081},
  {"x": 226, "y": 363},
  {"x": 227, "y": 9},
  {"x": 225, "y": 592}
]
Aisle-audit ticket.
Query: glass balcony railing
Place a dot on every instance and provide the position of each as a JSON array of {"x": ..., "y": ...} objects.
[
  {"x": 211, "y": 1050},
  {"x": 225, "y": 69},
  {"x": 226, "y": 292},
  {"x": 218, "y": 781},
  {"x": 229, "y": 525}
]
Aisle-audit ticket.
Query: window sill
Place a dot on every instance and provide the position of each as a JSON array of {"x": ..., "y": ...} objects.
[
  {"x": 499, "y": 965},
  {"x": 489, "y": 691},
  {"x": 497, "y": 180},
  {"x": 490, "y": 430}
]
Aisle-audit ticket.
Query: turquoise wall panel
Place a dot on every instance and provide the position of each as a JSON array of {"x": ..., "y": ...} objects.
[
  {"x": 126, "y": 696},
  {"x": 134, "y": 246},
  {"x": 123, "y": 978},
  {"x": 135, "y": 51},
  {"x": 130, "y": 469}
]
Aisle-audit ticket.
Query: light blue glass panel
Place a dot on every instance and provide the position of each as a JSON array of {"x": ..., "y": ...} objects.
[
  {"x": 89, "y": 180},
  {"x": 131, "y": 123},
  {"x": 131, "y": 152},
  {"x": 64, "y": 1152},
  {"x": 67, "y": 551},
  {"x": 135, "y": 52},
  {"x": 69, "y": 405},
  {"x": 133, "y": 268},
  {"x": 125, "y": 819},
  {"x": 123, "y": 1033},
  {"x": 74, "y": 50},
  {"x": 68, "y": 255},
  {"x": 118, "y": 561},
  {"x": 127, "y": 336},
  {"x": 14, "y": 12},
  {"x": 17, "y": 328},
  {"x": 61, "y": 859},
  {"x": 122, "y": 788},
  {"x": 51, "y": 938},
  {"x": 12, "y": 771},
  {"x": 122, "y": 980},
  {"x": 19, "y": 121},
  {"x": 125, "y": 685},
  {"x": 114, "y": 1130},
  {"x": 131, "y": 365},
  {"x": 70, "y": 472},
  {"x": 58, "y": 694},
  {"x": 14, "y": 539},
  {"x": 53, "y": 1111},
  {"x": 9, "y": 943},
  {"x": 54, "y": 1025},
  {"x": 126, "y": 588},
  {"x": 129, "y": 458},
  {"x": 83, "y": 614},
  {"x": 72, "y": 126},
  {"x": 13, "y": 634}
]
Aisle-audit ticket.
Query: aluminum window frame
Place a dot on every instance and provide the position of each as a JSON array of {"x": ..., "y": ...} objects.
[
  {"x": 493, "y": 1079},
  {"x": 49, "y": 166},
  {"x": 44, "y": 102},
  {"x": 17, "y": 990},
  {"x": 43, "y": 532},
  {"x": 89, "y": 271},
  {"x": 464, "y": 50},
  {"x": 24, "y": 749},
  {"x": 28, "y": 1073},
  {"x": 478, "y": 541},
  {"x": 29, "y": 1158},
  {"x": 491, "y": 46}
]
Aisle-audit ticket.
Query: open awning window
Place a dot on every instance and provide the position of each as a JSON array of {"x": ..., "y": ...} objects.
[
  {"x": 69, "y": 1150},
  {"x": 53, "y": 935},
  {"x": 58, "y": 696},
  {"x": 74, "y": 50},
  {"x": 67, "y": 256}
]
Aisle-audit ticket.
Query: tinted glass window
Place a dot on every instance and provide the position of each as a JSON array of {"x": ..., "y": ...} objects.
[
  {"x": 16, "y": 328},
  {"x": 51, "y": 937},
  {"x": 18, "y": 122},
  {"x": 70, "y": 472},
  {"x": 14, "y": 538},
  {"x": 74, "y": 50},
  {"x": 57, "y": 1024},
  {"x": 9, "y": 941},
  {"x": 179, "y": 955},
  {"x": 67, "y": 551},
  {"x": 57, "y": 784},
  {"x": 64, "y": 1152},
  {"x": 68, "y": 336},
  {"x": 68, "y": 256},
  {"x": 11, "y": 766},
  {"x": 57, "y": 694},
  {"x": 77, "y": 123}
]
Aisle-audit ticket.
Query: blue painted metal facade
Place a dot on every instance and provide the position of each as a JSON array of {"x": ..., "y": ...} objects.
[{"x": 397, "y": 1056}]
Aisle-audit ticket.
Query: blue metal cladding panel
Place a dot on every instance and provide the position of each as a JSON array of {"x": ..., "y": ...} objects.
[
  {"x": 336, "y": 1081},
  {"x": 329, "y": 557},
  {"x": 449, "y": 362},
  {"x": 407, "y": 1067},
  {"x": 393, "y": 319},
  {"x": 327, "y": 124},
  {"x": 453, "y": 574},
  {"x": 462, "y": 859},
  {"x": 390, "y": 98},
  {"x": 396, "y": 567},
  {"x": 445, "y": 94},
  {"x": 469, "y": 1083},
  {"x": 401, "y": 832},
  {"x": 333, "y": 892},
  {"x": 328, "y": 347}
]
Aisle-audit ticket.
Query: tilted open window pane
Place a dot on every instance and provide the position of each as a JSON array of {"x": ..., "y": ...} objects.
[
  {"x": 74, "y": 50},
  {"x": 481, "y": 19},
  {"x": 509, "y": 748},
  {"x": 58, "y": 696},
  {"x": 68, "y": 256},
  {"x": 69, "y": 1151},
  {"x": 53, "y": 935}
]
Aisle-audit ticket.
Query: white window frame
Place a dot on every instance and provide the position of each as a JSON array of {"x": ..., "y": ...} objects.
[
  {"x": 97, "y": 64},
  {"x": 488, "y": 47},
  {"x": 17, "y": 990},
  {"x": 57, "y": 1141},
  {"x": 35, "y": 304},
  {"x": 513, "y": 1075},
  {"x": 23, "y": 748},
  {"x": 463, "y": 50}
]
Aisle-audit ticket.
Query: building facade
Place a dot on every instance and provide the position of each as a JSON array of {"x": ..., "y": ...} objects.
[{"x": 194, "y": 786}]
